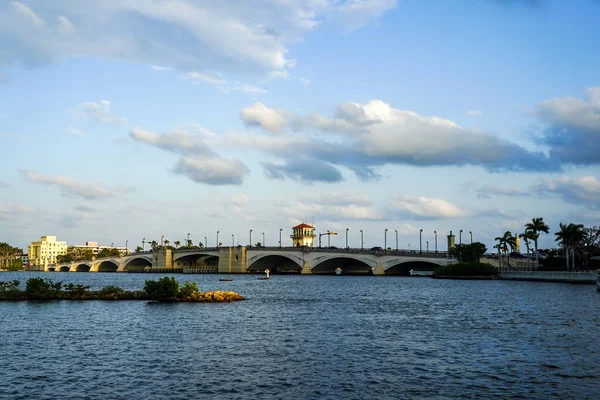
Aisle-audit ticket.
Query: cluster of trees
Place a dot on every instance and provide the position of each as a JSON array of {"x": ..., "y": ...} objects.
[
  {"x": 576, "y": 241},
  {"x": 9, "y": 257},
  {"x": 154, "y": 245}
]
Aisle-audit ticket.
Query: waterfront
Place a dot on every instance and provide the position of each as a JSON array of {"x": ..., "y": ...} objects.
[{"x": 307, "y": 337}]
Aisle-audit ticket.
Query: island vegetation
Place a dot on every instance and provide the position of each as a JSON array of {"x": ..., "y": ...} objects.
[
  {"x": 165, "y": 289},
  {"x": 468, "y": 265}
]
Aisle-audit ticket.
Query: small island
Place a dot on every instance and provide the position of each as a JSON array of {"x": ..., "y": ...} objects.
[
  {"x": 166, "y": 289},
  {"x": 469, "y": 265}
]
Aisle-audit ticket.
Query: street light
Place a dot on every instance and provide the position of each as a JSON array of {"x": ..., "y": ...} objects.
[
  {"x": 161, "y": 240},
  {"x": 471, "y": 233},
  {"x": 347, "y": 237},
  {"x": 205, "y": 242},
  {"x": 264, "y": 244},
  {"x": 460, "y": 237},
  {"x": 187, "y": 242},
  {"x": 328, "y": 234},
  {"x": 250, "y": 238},
  {"x": 362, "y": 243},
  {"x": 280, "y": 229},
  {"x": 217, "y": 239},
  {"x": 396, "y": 230},
  {"x": 232, "y": 240},
  {"x": 126, "y": 242},
  {"x": 428, "y": 247},
  {"x": 435, "y": 234},
  {"x": 111, "y": 245},
  {"x": 385, "y": 240},
  {"x": 143, "y": 244},
  {"x": 420, "y": 241}
]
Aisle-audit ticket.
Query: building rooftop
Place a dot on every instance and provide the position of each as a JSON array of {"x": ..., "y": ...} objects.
[{"x": 303, "y": 225}]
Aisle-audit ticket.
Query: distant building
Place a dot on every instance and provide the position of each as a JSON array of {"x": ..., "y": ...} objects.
[
  {"x": 25, "y": 260},
  {"x": 303, "y": 235},
  {"x": 95, "y": 248},
  {"x": 45, "y": 251}
]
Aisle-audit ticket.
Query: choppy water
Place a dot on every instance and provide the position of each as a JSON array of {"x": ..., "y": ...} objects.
[{"x": 307, "y": 337}]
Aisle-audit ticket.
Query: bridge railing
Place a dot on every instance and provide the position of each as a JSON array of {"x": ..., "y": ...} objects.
[{"x": 407, "y": 253}]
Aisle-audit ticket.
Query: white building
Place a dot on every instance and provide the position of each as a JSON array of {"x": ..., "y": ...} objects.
[
  {"x": 95, "y": 248},
  {"x": 45, "y": 251}
]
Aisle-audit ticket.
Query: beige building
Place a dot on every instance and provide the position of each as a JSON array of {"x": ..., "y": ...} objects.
[
  {"x": 45, "y": 251},
  {"x": 303, "y": 235},
  {"x": 95, "y": 248}
]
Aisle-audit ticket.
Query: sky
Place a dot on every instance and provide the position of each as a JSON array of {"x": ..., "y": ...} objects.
[{"x": 122, "y": 120}]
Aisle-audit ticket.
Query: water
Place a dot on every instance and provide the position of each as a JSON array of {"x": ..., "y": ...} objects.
[{"x": 307, "y": 337}]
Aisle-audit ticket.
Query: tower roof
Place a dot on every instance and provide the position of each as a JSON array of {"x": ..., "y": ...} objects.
[{"x": 303, "y": 225}]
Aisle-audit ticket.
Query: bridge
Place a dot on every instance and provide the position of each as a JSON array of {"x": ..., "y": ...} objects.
[{"x": 242, "y": 259}]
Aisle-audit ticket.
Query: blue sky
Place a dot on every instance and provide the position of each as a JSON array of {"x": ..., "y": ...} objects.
[{"x": 127, "y": 120}]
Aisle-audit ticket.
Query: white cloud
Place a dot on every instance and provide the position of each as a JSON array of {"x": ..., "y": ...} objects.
[
  {"x": 584, "y": 190},
  {"x": 474, "y": 113},
  {"x": 269, "y": 119},
  {"x": 177, "y": 142},
  {"x": 241, "y": 37},
  {"x": 76, "y": 132},
  {"x": 426, "y": 207},
  {"x": 200, "y": 77},
  {"x": 161, "y": 69},
  {"x": 212, "y": 170},
  {"x": 28, "y": 13},
  {"x": 65, "y": 26},
  {"x": 71, "y": 187},
  {"x": 12, "y": 209},
  {"x": 488, "y": 190},
  {"x": 247, "y": 89},
  {"x": 4, "y": 184},
  {"x": 99, "y": 112}
]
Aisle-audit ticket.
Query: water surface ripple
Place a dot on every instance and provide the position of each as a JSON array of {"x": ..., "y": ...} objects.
[{"x": 307, "y": 337}]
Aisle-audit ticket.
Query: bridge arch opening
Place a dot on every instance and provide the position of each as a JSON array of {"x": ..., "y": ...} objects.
[
  {"x": 64, "y": 268},
  {"x": 208, "y": 261},
  {"x": 403, "y": 268},
  {"x": 51, "y": 269},
  {"x": 276, "y": 264},
  {"x": 107, "y": 266},
  {"x": 349, "y": 266},
  {"x": 137, "y": 263},
  {"x": 82, "y": 268}
]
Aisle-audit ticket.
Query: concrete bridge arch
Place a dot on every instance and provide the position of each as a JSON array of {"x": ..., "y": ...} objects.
[
  {"x": 276, "y": 262},
  {"x": 350, "y": 264}
]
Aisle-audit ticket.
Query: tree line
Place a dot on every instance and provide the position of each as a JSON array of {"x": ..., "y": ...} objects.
[{"x": 9, "y": 257}]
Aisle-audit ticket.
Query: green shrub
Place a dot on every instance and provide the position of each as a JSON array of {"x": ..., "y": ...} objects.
[
  {"x": 38, "y": 288},
  {"x": 188, "y": 289},
  {"x": 164, "y": 289},
  {"x": 111, "y": 290},
  {"x": 76, "y": 290},
  {"x": 12, "y": 286},
  {"x": 467, "y": 269}
]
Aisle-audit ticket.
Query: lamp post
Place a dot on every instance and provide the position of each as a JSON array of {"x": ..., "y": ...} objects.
[
  {"x": 280, "y": 229},
  {"x": 435, "y": 235},
  {"x": 421, "y": 241},
  {"x": 111, "y": 245},
  {"x": 396, "y": 230},
  {"x": 143, "y": 244},
  {"x": 427, "y": 247},
  {"x": 126, "y": 242},
  {"x": 362, "y": 242},
  {"x": 161, "y": 240},
  {"x": 205, "y": 242},
  {"x": 347, "y": 238},
  {"x": 250, "y": 245},
  {"x": 187, "y": 242},
  {"x": 471, "y": 233},
  {"x": 460, "y": 237},
  {"x": 232, "y": 240},
  {"x": 328, "y": 239},
  {"x": 217, "y": 239},
  {"x": 264, "y": 244},
  {"x": 385, "y": 240}
]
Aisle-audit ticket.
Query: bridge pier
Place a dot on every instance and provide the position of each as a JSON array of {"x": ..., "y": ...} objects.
[
  {"x": 306, "y": 269},
  {"x": 232, "y": 260},
  {"x": 379, "y": 269}
]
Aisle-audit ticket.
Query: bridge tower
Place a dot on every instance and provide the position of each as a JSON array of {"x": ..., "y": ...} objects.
[
  {"x": 303, "y": 235},
  {"x": 451, "y": 241}
]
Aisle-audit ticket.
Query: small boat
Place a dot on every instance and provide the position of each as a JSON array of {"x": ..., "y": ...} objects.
[{"x": 225, "y": 280}]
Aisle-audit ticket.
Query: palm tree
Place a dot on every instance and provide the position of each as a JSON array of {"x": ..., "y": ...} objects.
[
  {"x": 537, "y": 225},
  {"x": 505, "y": 241},
  {"x": 177, "y": 243},
  {"x": 154, "y": 245},
  {"x": 166, "y": 242},
  {"x": 570, "y": 236}
]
